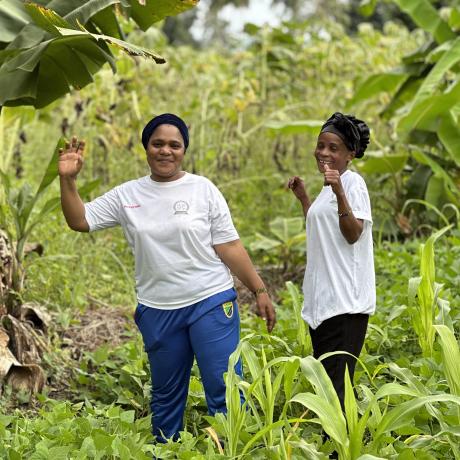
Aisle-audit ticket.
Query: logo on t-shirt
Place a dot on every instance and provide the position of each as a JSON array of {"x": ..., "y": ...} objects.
[
  {"x": 228, "y": 309},
  {"x": 181, "y": 207}
]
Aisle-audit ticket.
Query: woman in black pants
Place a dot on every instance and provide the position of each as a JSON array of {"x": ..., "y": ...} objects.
[{"x": 339, "y": 282}]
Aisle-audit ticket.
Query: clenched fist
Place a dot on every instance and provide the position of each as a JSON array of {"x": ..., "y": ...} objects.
[{"x": 332, "y": 178}]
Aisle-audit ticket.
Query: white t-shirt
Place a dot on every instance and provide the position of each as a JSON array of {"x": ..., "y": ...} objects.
[
  {"x": 171, "y": 228},
  {"x": 339, "y": 277}
]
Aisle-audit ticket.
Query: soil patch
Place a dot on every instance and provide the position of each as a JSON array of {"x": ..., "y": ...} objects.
[{"x": 99, "y": 325}]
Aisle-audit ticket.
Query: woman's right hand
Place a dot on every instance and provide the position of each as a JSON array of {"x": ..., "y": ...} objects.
[
  {"x": 71, "y": 158},
  {"x": 297, "y": 185}
]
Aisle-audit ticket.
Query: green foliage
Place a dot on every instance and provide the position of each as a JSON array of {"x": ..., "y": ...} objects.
[
  {"x": 150, "y": 11},
  {"x": 403, "y": 399},
  {"x": 450, "y": 357},
  {"x": 427, "y": 17},
  {"x": 240, "y": 107},
  {"x": 424, "y": 296},
  {"x": 237, "y": 105},
  {"x": 424, "y": 107},
  {"x": 295, "y": 127},
  {"x": 19, "y": 216},
  {"x": 286, "y": 241},
  {"x": 51, "y": 50},
  {"x": 379, "y": 163},
  {"x": 16, "y": 216},
  {"x": 80, "y": 431},
  {"x": 7, "y": 143},
  {"x": 119, "y": 376}
]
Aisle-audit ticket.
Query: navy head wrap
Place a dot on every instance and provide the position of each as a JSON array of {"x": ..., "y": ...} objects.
[
  {"x": 165, "y": 119},
  {"x": 354, "y": 133}
]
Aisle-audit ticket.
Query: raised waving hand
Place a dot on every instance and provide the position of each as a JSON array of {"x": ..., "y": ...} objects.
[{"x": 71, "y": 158}]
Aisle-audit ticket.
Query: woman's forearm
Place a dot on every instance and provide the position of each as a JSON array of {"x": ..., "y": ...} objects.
[
  {"x": 350, "y": 226},
  {"x": 72, "y": 205},
  {"x": 237, "y": 260},
  {"x": 234, "y": 255},
  {"x": 306, "y": 203}
]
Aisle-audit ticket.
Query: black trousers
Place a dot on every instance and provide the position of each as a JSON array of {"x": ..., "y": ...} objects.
[{"x": 340, "y": 333}]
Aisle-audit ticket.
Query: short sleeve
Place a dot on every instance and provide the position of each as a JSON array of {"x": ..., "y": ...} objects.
[
  {"x": 358, "y": 198},
  {"x": 222, "y": 228},
  {"x": 104, "y": 211}
]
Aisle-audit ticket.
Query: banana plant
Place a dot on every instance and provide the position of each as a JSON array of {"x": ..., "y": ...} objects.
[
  {"x": 49, "y": 48},
  {"x": 286, "y": 240},
  {"x": 424, "y": 105}
]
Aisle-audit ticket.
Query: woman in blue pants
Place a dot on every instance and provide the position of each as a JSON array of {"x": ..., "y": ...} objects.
[{"x": 185, "y": 247}]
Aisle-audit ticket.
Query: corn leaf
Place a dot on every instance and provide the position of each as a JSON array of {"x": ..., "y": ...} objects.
[
  {"x": 402, "y": 414},
  {"x": 317, "y": 376},
  {"x": 351, "y": 413},
  {"x": 332, "y": 421},
  {"x": 450, "y": 357}
]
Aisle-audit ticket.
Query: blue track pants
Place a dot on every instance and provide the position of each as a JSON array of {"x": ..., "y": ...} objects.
[{"x": 208, "y": 331}]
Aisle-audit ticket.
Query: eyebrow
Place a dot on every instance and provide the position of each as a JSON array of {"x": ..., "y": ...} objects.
[
  {"x": 162, "y": 139},
  {"x": 335, "y": 144}
]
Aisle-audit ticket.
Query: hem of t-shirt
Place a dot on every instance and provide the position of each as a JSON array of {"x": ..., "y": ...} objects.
[
  {"x": 226, "y": 240},
  {"x": 92, "y": 227},
  {"x": 203, "y": 295},
  {"x": 362, "y": 215},
  {"x": 366, "y": 311}
]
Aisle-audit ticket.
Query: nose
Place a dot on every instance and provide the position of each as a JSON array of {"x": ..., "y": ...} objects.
[
  {"x": 164, "y": 150},
  {"x": 322, "y": 151}
]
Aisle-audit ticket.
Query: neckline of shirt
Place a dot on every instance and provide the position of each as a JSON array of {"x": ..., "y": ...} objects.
[{"x": 173, "y": 183}]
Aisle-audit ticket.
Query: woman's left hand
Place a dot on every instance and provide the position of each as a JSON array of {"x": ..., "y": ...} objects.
[
  {"x": 332, "y": 178},
  {"x": 266, "y": 311}
]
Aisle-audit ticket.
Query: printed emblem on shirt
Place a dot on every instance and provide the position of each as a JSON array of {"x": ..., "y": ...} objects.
[
  {"x": 181, "y": 207},
  {"x": 228, "y": 309}
]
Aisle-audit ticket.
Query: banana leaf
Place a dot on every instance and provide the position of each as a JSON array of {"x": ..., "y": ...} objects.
[
  {"x": 68, "y": 59},
  {"x": 425, "y": 15}
]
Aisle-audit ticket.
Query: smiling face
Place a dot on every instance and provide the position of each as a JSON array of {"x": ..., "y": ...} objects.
[
  {"x": 165, "y": 153},
  {"x": 331, "y": 150}
]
